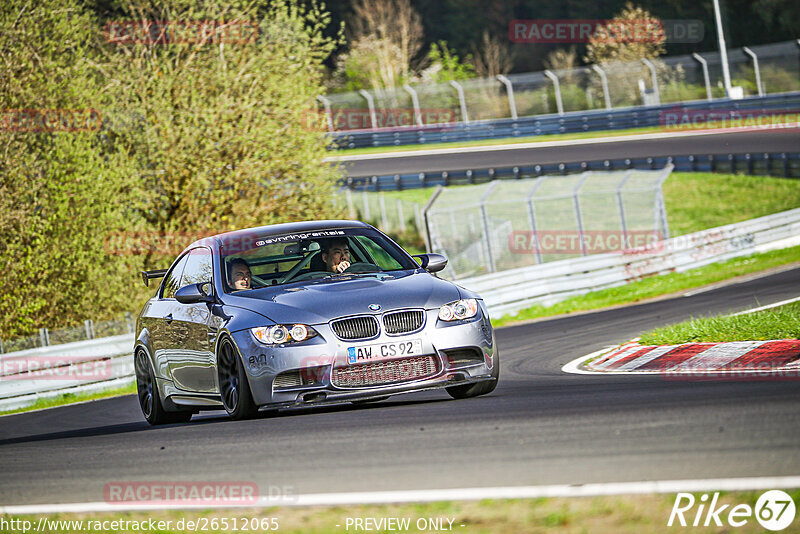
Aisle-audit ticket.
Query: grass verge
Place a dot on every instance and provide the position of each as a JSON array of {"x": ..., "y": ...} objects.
[
  {"x": 71, "y": 398},
  {"x": 782, "y": 322},
  {"x": 620, "y": 514},
  {"x": 656, "y": 286}
]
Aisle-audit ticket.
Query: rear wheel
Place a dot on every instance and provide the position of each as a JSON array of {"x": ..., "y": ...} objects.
[
  {"x": 149, "y": 398},
  {"x": 233, "y": 386},
  {"x": 481, "y": 388}
]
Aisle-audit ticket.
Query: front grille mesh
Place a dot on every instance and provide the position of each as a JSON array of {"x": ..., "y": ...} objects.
[
  {"x": 363, "y": 327},
  {"x": 388, "y": 372},
  {"x": 403, "y": 321}
]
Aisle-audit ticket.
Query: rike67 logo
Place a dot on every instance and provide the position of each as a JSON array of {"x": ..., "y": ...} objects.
[{"x": 774, "y": 510}]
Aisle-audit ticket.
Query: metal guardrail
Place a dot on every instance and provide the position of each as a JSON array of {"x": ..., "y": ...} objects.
[
  {"x": 570, "y": 122},
  {"x": 780, "y": 164},
  {"x": 512, "y": 290}
]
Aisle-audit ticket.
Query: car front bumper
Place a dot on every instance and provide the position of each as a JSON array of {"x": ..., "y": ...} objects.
[{"x": 307, "y": 373}]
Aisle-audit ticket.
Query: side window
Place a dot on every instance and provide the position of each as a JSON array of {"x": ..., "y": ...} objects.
[
  {"x": 173, "y": 279},
  {"x": 381, "y": 257},
  {"x": 198, "y": 267}
]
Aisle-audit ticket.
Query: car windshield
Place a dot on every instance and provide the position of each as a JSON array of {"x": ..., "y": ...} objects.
[{"x": 253, "y": 262}]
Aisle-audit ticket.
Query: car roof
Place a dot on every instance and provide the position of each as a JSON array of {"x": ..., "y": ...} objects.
[{"x": 284, "y": 228}]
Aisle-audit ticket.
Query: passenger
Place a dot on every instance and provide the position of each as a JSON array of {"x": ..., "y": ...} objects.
[
  {"x": 240, "y": 274},
  {"x": 336, "y": 256}
]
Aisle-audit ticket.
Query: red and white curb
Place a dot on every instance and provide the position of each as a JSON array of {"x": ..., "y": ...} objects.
[{"x": 771, "y": 357}]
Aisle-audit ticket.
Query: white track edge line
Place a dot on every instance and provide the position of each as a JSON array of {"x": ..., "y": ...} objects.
[
  {"x": 547, "y": 144},
  {"x": 432, "y": 495}
]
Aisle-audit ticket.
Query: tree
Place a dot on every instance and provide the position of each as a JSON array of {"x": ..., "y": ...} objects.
[
  {"x": 632, "y": 35},
  {"x": 492, "y": 57}
]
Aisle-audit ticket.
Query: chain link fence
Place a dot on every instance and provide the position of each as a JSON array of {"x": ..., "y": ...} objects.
[
  {"x": 757, "y": 70},
  {"x": 505, "y": 224},
  {"x": 88, "y": 330}
]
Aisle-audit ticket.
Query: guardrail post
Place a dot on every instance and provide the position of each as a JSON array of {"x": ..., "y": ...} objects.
[
  {"x": 44, "y": 337},
  {"x": 604, "y": 81},
  {"x": 89, "y": 328},
  {"x": 485, "y": 221},
  {"x": 462, "y": 102},
  {"x": 554, "y": 79},
  {"x": 512, "y": 104},
  {"x": 654, "y": 77},
  {"x": 706, "y": 80},
  {"x": 754, "y": 57},
  {"x": 371, "y": 103},
  {"x": 577, "y": 204},
  {"x": 415, "y": 102},
  {"x": 327, "y": 104}
]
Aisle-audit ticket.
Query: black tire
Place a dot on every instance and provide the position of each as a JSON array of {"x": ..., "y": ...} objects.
[
  {"x": 233, "y": 386},
  {"x": 481, "y": 388},
  {"x": 149, "y": 397}
]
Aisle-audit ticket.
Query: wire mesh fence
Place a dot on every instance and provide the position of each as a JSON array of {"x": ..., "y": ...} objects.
[
  {"x": 88, "y": 330},
  {"x": 504, "y": 224},
  {"x": 775, "y": 69}
]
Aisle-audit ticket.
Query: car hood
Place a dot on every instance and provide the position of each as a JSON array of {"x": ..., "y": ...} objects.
[{"x": 319, "y": 301}]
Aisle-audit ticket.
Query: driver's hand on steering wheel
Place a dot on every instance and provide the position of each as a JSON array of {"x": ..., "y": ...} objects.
[{"x": 342, "y": 266}]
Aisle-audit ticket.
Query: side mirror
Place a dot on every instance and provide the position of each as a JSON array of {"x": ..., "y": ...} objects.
[
  {"x": 194, "y": 293},
  {"x": 433, "y": 263}
]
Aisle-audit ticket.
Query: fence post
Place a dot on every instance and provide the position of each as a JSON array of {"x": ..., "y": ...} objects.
[
  {"x": 654, "y": 77},
  {"x": 44, "y": 337},
  {"x": 384, "y": 218},
  {"x": 89, "y": 327},
  {"x": 604, "y": 81},
  {"x": 577, "y": 204},
  {"x": 128, "y": 322},
  {"x": 512, "y": 104},
  {"x": 1, "y": 346},
  {"x": 704, "y": 65},
  {"x": 327, "y": 104},
  {"x": 532, "y": 218},
  {"x": 400, "y": 215},
  {"x": 418, "y": 219},
  {"x": 661, "y": 207},
  {"x": 621, "y": 207},
  {"x": 754, "y": 57},
  {"x": 428, "y": 205},
  {"x": 415, "y": 102},
  {"x": 371, "y": 103},
  {"x": 366, "y": 213},
  {"x": 554, "y": 79},
  {"x": 485, "y": 220},
  {"x": 350, "y": 208},
  {"x": 462, "y": 102}
]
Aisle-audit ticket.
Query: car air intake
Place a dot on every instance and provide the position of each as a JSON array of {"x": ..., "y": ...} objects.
[
  {"x": 465, "y": 356},
  {"x": 382, "y": 373},
  {"x": 363, "y": 327},
  {"x": 403, "y": 321}
]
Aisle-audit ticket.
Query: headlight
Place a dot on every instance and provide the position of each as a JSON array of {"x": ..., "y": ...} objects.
[
  {"x": 458, "y": 310},
  {"x": 275, "y": 335}
]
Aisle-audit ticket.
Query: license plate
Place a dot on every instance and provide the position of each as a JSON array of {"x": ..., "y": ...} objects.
[{"x": 384, "y": 351}]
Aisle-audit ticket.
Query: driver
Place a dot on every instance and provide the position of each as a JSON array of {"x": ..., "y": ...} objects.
[
  {"x": 240, "y": 274},
  {"x": 337, "y": 255}
]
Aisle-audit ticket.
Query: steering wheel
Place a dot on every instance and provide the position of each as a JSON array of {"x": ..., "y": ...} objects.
[{"x": 296, "y": 269}]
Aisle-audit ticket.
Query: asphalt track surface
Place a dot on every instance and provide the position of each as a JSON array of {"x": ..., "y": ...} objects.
[
  {"x": 540, "y": 426},
  {"x": 771, "y": 140}
]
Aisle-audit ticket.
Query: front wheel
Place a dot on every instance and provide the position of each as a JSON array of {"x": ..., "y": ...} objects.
[
  {"x": 233, "y": 386},
  {"x": 481, "y": 388},
  {"x": 149, "y": 398}
]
